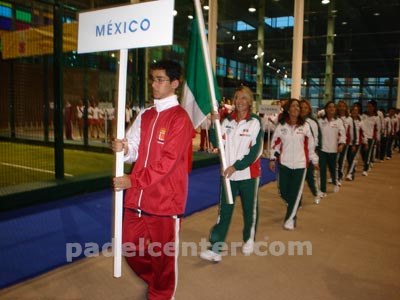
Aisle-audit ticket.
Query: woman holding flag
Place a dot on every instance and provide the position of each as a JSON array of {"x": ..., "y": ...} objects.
[{"x": 242, "y": 139}]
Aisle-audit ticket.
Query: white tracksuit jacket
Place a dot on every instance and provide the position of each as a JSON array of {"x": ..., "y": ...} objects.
[
  {"x": 372, "y": 127},
  {"x": 294, "y": 146},
  {"x": 333, "y": 134},
  {"x": 243, "y": 143}
]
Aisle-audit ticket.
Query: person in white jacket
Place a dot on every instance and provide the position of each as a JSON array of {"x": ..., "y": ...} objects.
[
  {"x": 357, "y": 139},
  {"x": 385, "y": 136},
  {"x": 311, "y": 178},
  {"x": 242, "y": 139},
  {"x": 342, "y": 111},
  {"x": 332, "y": 143},
  {"x": 293, "y": 146},
  {"x": 371, "y": 131},
  {"x": 394, "y": 129}
]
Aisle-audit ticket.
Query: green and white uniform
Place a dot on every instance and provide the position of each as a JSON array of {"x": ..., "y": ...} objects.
[
  {"x": 311, "y": 177},
  {"x": 243, "y": 142},
  {"x": 294, "y": 147},
  {"x": 333, "y": 134}
]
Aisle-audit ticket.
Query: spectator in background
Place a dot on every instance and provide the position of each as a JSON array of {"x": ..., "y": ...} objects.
[
  {"x": 205, "y": 134},
  {"x": 128, "y": 115},
  {"x": 68, "y": 119},
  {"x": 269, "y": 123},
  {"x": 90, "y": 119},
  {"x": 80, "y": 109}
]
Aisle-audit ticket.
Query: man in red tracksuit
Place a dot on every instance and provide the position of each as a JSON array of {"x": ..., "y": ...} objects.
[{"x": 158, "y": 142}]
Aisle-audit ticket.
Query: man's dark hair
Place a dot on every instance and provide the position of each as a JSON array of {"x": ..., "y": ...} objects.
[{"x": 172, "y": 68}]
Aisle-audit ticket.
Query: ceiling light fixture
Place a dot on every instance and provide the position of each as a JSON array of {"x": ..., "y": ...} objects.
[
  {"x": 240, "y": 48},
  {"x": 206, "y": 7},
  {"x": 252, "y": 7},
  {"x": 325, "y": 2},
  {"x": 377, "y": 14},
  {"x": 248, "y": 45},
  {"x": 190, "y": 17}
]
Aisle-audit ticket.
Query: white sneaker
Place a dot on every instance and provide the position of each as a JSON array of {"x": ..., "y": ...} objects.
[
  {"x": 317, "y": 200},
  {"x": 335, "y": 188},
  {"x": 248, "y": 247},
  {"x": 289, "y": 225},
  {"x": 210, "y": 256},
  {"x": 322, "y": 195},
  {"x": 364, "y": 173},
  {"x": 349, "y": 177},
  {"x": 339, "y": 183}
]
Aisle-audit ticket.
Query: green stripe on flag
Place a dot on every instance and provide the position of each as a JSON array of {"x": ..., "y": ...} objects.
[{"x": 196, "y": 95}]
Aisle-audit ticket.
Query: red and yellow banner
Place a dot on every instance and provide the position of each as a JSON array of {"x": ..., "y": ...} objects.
[{"x": 37, "y": 41}]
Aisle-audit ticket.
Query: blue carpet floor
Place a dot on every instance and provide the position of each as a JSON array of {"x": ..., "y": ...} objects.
[{"x": 33, "y": 239}]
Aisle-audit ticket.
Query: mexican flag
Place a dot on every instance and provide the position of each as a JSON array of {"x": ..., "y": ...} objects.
[{"x": 197, "y": 95}]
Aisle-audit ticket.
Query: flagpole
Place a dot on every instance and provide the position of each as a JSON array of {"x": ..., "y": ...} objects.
[
  {"x": 206, "y": 53},
  {"x": 119, "y": 162}
]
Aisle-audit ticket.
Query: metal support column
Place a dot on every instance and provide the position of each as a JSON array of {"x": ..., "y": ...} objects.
[
  {"x": 260, "y": 54},
  {"x": 330, "y": 37},
  {"x": 398, "y": 86},
  {"x": 58, "y": 92},
  {"x": 297, "y": 55}
]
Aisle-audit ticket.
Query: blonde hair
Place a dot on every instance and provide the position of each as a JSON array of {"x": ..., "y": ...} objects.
[{"x": 249, "y": 95}]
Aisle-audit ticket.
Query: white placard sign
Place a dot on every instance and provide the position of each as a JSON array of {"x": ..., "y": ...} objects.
[
  {"x": 130, "y": 26},
  {"x": 269, "y": 109}
]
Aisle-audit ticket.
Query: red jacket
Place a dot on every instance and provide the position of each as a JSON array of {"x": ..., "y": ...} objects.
[{"x": 160, "y": 175}]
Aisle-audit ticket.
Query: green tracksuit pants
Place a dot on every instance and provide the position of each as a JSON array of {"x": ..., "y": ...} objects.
[
  {"x": 248, "y": 191},
  {"x": 291, "y": 182},
  {"x": 352, "y": 159},
  {"x": 327, "y": 160},
  {"x": 311, "y": 180},
  {"x": 367, "y": 155},
  {"x": 341, "y": 161}
]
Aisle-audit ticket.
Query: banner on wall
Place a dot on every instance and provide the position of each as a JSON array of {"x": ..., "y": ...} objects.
[{"x": 37, "y": 41}]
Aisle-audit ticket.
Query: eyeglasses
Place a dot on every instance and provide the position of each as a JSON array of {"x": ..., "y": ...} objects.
[{"x": 158, "y": 80}]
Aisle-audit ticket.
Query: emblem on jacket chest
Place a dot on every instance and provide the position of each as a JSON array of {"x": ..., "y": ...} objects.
[{"x": 161, "y": 135}]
